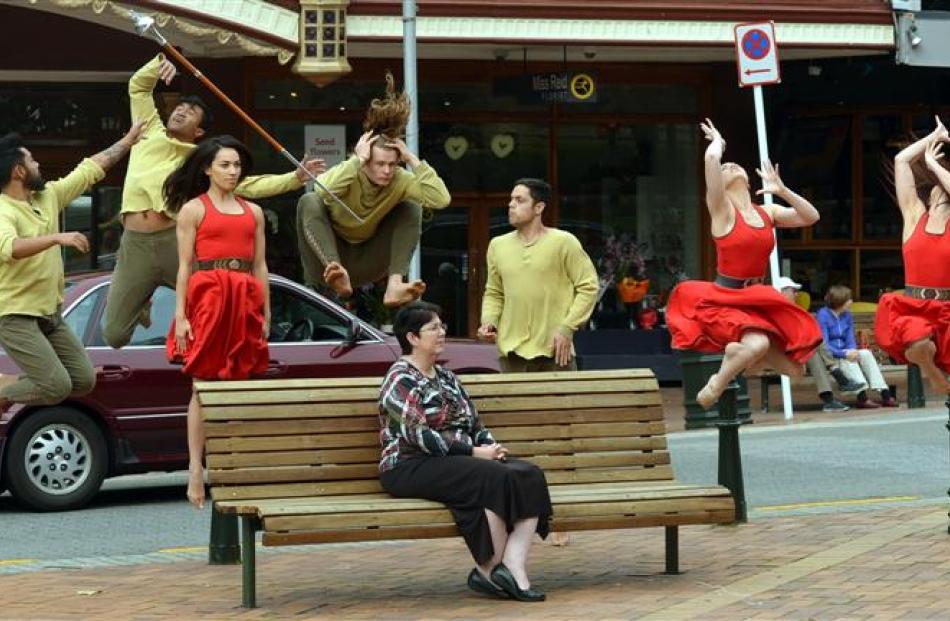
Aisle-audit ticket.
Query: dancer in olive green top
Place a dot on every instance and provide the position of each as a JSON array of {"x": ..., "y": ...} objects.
[
  {"x": 148, "y": 253},
  {"x": 342, "y": 252},
  {"x": 32, "y": 331}
]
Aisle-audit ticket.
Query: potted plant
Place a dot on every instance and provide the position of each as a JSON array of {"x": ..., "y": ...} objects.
[{"x": 622, "y": 265}]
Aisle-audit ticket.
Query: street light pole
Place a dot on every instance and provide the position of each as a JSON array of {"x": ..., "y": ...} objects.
[{"x": 410, "y": 84}]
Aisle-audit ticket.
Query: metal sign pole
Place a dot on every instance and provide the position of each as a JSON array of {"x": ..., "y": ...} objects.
[
  {"x": 410, "y": 84},
  {"x": 773, "y": 258}
]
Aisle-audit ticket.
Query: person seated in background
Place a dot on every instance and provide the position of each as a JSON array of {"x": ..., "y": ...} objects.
[
  {"x": 818, "y": 365},
  {"x": 858, "y": 365}
]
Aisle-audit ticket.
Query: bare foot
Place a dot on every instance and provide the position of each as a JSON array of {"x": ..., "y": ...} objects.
[
  {"x": 196, "y": 489},
  {"x": 336, "y": 276},
  {"x": 938, "y": 381},
  {"x": 401, "y": 293},
  {"x": 709, "y": 395},
  {"x": 560, "y": 539},
  {"x": 145, "y": 316}
]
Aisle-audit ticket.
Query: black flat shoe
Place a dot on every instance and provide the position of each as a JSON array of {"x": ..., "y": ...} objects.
[
  {"x": 501, "y": 576},
  {"x": 478, "y": 583}
]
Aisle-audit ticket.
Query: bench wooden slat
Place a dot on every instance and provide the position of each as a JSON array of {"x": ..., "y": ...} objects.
[
  {"x": 469, "y": 379},
  {"x": 370, "y": 454},
  {"x": 281, "y": 406},
  {"x": 370, "y": 394},
  {"x": 370, "y": 439},
  {"x": 291, "y": 427},
  {"x": 382, "y": 502},
  {"x": 293, "y": 458},
  {"x": 370, "y": 422},
  {"x": 287, "y": 474},
  {"x": 293, "y": 442},
  {"x": 425, "y": 532},
  {"x": 605, "y": 475},
  {"x": 375, "y": 518},
  {"x": 542, "y": 447}
]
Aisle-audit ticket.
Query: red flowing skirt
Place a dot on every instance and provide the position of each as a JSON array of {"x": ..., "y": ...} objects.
[
  {"x": 901, "y": 320},
  {"x": 705, "y": 317},
  {"x": 226, "y": 312}
]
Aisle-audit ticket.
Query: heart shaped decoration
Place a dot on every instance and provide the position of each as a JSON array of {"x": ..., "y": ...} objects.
[
  {"x": 502, "y": 145},
  {"x": 456, "y": 146}
]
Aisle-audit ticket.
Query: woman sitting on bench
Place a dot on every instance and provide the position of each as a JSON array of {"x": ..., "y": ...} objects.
[
  {"x": 435, "y": 447},
  {"x": 858, "y": 365}
]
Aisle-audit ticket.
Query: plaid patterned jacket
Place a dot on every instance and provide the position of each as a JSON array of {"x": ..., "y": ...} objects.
[{"x": 420, "y": 416}]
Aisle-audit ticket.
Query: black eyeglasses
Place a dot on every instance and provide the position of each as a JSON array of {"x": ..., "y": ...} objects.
[{"x": 435, "y": 328}]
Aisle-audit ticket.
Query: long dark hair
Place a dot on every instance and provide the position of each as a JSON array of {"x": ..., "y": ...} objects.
[{"x": 190, "y": 179}]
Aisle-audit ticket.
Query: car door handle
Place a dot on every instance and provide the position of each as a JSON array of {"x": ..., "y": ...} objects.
[
  {"x": 113, "y": 372},
  {"x": 275, "y": 368}
]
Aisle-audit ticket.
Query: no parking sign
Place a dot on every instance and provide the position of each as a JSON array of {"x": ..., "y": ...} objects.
[{"x": 757, "y": 54}]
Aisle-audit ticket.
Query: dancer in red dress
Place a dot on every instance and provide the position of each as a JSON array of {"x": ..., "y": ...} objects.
[
  {"x": 222, "y": 314},
  {"x": 914, "y": 326},
  {"x": 753, "y": 324}
]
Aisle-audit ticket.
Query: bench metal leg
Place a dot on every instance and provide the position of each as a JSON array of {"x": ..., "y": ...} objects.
[
  {"x": 249, "y": 577},
  {"x": 223, "y": 547},
  {"x": 730, "y": 456},
  {"x": 672, "y": 550},
  {"x": 915, "y": 387}
]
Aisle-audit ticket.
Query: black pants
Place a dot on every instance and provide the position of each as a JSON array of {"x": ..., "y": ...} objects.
[{"x": 514, "y": 489}]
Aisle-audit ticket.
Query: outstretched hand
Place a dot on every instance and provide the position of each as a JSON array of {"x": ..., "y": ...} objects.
[
  {"x": 771, "y": 180},
  {"x": 167, "y": 71},
  {"x": 940, "y": 132},
  {"x": 933, "y": 154},
  {"x": 711, "y": 133}
]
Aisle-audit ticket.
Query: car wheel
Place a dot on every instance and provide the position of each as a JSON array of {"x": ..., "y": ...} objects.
[{"x": 56, "y": 460}]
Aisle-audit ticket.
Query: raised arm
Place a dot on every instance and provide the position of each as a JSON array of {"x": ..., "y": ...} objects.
[
  {"x": 426, "y": 188},
  {"x": 141, "y": 85},
  {"x": 905, "y": 186},
  {"x": 932, "y": 157},
  {"x": 716, "y": 200},
  {"x": 800, "y": 213},
  {"x": 90, "y": 171}
]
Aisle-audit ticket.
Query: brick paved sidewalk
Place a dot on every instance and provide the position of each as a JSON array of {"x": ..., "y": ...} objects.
[{"x": 882, "y": 564}]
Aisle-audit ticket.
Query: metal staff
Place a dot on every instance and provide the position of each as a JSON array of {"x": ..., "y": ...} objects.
[{"x": 145, "y": 26}]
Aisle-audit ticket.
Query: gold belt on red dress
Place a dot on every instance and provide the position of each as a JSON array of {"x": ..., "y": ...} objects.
[
  {"x": 234, "y": 265},
  {"x": 927, "y": 293}
]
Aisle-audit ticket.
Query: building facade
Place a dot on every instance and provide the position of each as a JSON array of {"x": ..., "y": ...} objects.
[{"x": 601, "y": 97}]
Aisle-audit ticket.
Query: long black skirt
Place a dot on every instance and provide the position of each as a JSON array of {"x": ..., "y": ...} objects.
[{"x": 513, "y": 489}]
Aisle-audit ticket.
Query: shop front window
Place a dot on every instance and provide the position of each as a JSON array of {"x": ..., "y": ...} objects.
[
  {"x": 881, "y": 139},
  {"x": 814, "y": 154},
  {"x": 630, "y": 193}
]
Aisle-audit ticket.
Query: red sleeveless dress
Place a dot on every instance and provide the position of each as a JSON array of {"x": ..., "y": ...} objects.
[
  {"x": 901, "y": 320},
  {"x": 703, "y": 316},
  {"x": 225, "y": 307}
]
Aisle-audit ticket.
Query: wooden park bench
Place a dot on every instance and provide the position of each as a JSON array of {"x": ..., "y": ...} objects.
[{"x": 297, "y": 459}]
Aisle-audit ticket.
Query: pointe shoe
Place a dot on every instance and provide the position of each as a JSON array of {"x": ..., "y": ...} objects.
[
  {"x": 709, "y": 395},
  {"x": 501, "y": 576},
  {"x": 480, "y": 584}
]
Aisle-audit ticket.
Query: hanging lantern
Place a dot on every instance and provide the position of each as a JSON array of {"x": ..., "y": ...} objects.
[{"x": 322, "y": 55}]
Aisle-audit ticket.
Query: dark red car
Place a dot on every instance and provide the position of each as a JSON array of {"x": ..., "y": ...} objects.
[{"x": 56, "y": 457}]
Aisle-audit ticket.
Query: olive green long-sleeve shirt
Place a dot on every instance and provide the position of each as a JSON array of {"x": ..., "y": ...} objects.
[
  {"x": 535, "y": 289},
  {"x": 372, "y": 202}
]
